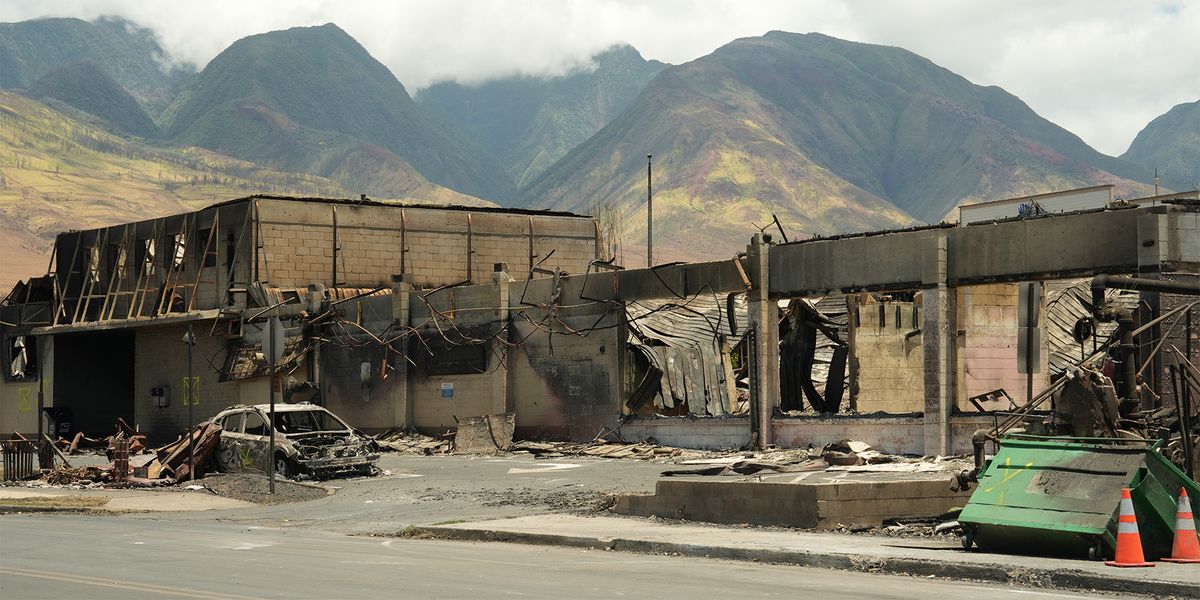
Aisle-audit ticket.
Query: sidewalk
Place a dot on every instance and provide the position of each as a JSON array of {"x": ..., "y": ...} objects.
[
  {"x": 877, "y": 554},
  {"x": 13, "y": 499}
]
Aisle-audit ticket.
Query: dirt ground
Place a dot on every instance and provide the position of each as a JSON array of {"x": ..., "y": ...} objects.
[{"x": 256, "y": 488}]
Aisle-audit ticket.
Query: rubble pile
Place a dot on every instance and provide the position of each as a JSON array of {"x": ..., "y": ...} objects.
[
  {"x": 648, "y": 450},
  {"x": 138, "y": 466},
  {"x": 81, "y": 442},
  {"x": 411, "y": 442}
]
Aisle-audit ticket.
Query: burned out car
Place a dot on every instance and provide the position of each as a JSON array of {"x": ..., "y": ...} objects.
[{"x": 308, "y": 440}]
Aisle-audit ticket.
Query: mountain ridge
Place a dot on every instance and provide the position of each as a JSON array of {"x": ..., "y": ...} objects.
[{"x": 323, "y": 80}]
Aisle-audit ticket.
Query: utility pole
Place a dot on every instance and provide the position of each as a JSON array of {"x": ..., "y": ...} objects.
[{"x": 649, "y": 216}]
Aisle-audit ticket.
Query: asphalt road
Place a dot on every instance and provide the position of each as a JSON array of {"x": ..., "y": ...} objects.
[
  {"x": 423, "y": 490},
  {"x": 102, "y": 557}
]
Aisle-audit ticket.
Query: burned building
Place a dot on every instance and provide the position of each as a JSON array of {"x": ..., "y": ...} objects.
[
  {"x": 419, "y": 317},
  {"x": 100, "y": 335}
]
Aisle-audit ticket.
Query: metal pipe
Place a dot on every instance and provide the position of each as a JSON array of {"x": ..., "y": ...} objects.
[
  {"x": 1185, "y": 421},
  {"x": 334, "y": 282},
  {"x": 1116, "y": 282}
]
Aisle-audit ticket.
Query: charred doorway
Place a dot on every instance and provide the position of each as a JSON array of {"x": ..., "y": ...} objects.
[{"x": 93, "y": 378}]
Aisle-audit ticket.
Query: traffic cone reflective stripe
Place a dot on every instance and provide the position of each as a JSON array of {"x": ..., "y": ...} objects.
[
  {"x": 1129, "y": 542},
  {"x": 1186, "y": 548}
]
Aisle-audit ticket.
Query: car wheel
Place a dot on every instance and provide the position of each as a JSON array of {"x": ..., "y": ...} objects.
[{"x": 283, "y": 467}]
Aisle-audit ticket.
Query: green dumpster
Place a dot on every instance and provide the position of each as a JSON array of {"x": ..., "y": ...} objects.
[{"x": 1060, "y": 496}]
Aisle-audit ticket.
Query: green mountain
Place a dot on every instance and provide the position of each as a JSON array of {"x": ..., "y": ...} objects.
[
  {"x": 272, "y": 138},
  {"x": 58, "y": 173},
  {"x": 528, "y": 122},
  {"x": 321, "y": 91},
  {"x": 86, "y": 87},
  {"x": 129, "y": 53},
  {"x": 1171, "y": 143},
  {"x": 830, "y": 135}
]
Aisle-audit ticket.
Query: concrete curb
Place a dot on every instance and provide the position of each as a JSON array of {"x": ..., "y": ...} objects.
[
  {"x": 18, "y": 508},
  {"x": 1032, "y": 577}
]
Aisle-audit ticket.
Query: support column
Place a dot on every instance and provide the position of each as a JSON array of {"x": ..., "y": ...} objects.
[
  {"x": 401, "y": 400},
  {"x": 938, "y": 332},
  {"x": 764, "y": 322},
  {"x": 498, "y": 353}
]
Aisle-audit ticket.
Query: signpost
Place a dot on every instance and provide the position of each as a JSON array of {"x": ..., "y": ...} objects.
[
  {"x": 189, "y": 338},
  {"x": 273, "y": 349}
]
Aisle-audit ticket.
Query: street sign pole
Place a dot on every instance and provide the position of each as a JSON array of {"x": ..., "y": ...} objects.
[
  {"x": 273, "y": 345},
  {"x": 189, "y": 397}
]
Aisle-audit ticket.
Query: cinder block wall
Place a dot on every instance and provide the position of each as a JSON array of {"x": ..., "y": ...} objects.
[
  {"x": 890, "y": 365},
  {"x": 566, "y": 386},
  {"x": 342, "y": 393},
  {"x": 987, "y": 347},
  {"x": 160, "y": 358},
  {"x": 472, "y": 392},
  {"x": 298, "y": 243},
  {"x": 18, "y": 399}
]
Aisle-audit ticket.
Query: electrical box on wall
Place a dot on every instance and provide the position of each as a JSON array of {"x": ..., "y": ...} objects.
[{"x": 161, "y": 395}]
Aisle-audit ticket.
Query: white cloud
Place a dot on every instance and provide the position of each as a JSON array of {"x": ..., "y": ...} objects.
[{"x": 1101, "y": 68}]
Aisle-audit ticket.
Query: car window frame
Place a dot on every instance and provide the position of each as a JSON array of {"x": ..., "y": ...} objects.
[
  {"x": 265, "y": 421},
  {"x": 241, "y": 420}
]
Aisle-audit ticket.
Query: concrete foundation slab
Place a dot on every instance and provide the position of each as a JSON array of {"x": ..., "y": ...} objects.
[{"x": 821, "y": 500}]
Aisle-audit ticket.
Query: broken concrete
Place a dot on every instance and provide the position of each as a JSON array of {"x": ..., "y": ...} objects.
[{"x": 807, "y": 500}]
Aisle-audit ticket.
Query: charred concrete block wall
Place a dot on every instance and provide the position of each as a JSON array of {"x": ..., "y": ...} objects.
[
  {"x": 373, "y": 409},
  {"x": 987, "y": 346},
  {"x": 18, "y": 399},
  {"x": 160, "y": 359},
  {"x": 890, "y": 358},
  {"x": 566, "y": 385},
  {"x": 298, "y": 236},
  {"x": 443, "y": 384}
]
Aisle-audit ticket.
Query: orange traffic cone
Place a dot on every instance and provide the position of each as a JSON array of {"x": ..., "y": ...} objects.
[
  {"x": 1186, "y": 548},
  {"x": 1129, "y": 542}
]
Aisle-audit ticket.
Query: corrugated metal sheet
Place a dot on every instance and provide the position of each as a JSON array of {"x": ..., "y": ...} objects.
[
  {"x": 683, "y": 340},
  {"x": 1066, "y": 303}
]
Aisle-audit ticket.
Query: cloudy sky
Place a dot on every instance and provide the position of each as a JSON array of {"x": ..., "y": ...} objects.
[{"x": 1100, "y": 68}]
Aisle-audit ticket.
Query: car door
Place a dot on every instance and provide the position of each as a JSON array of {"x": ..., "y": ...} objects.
[
  {"x": 228, "y": 454},
  {"x": 254, "y": 442}
]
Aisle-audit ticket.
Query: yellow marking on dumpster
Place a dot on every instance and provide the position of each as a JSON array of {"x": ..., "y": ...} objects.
[{"x": 1013, "y": 473}]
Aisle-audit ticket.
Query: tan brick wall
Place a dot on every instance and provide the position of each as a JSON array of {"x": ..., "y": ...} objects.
[
  {"x": 890, "y": 367},
  {"x": 298, "y": 243},
  {"x": 18, "y": 400},
  {"x": 987, "y": 349},
  {"x": 472, "y": 397},
  {"x": 160, "y": 358}
]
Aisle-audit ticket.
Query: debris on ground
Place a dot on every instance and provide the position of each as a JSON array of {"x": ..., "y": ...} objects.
[
  {"x": 161, "y": 466},
  {"x": 603, "y": 449},
  {"x": 255, "y": 488},
  {"x": 487, "y": 434},
  {"x": 411, "y": 442},
  {"x": 80, "y": 442}
]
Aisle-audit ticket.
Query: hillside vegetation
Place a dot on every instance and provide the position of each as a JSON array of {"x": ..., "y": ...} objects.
[
  {"x": 57, "y": 173},
  {"x": 1171, "y": 143},
  {"x": 831, "y": 136},
  {"x": 530, "y": 122},
  {"x": 286, "y": 98},
  {"x": 86, "y": 87},
  {"x": 127, "y": 52}
]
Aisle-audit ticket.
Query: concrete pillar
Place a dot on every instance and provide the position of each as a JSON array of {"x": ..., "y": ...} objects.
[
  {"x": 401, "y": 399},
  {"x": 938, "y": 333},
  {"x": 764, "y": 322},
  {"x": 498, "y": 355}
]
